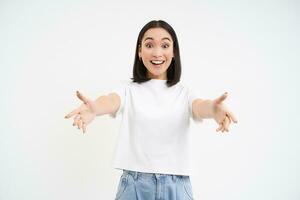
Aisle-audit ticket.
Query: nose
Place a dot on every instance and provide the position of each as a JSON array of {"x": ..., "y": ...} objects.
[{"x": 156, "y": 52}]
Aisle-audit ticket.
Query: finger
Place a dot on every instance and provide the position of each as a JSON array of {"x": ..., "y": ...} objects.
[
  {"x": 221, "y": 98},
  {"x": 84, "y": 127},
  {"x": 72, "y": 113},
  {"x": 79, "y": 123},
  {"x": 220, "y": 127},
  {"x": 223, "y": 128},
  {"x": 226, "y": 124},
  {"x": 229, "y": 118},
  {"x": 76, "y": 118},
  {"x": 231, "y": 115},
  {"x": 82, "y": 98}
]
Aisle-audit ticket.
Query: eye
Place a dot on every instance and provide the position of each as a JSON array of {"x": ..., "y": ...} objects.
[
  {"x": 165, "y": 46},
  {"x": 148, "y": 45}
]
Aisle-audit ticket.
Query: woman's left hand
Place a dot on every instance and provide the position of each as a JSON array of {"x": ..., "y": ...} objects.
[{"x": 221, "y": 114}]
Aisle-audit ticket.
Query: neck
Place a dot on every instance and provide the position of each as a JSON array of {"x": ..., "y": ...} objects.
[{"x": 159, "y": 77}]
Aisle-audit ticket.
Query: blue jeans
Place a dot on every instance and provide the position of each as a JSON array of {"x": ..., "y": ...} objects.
[{"x": 152, "y": 186}]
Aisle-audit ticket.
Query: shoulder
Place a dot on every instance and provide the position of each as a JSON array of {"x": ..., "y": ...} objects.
[
  {"x": 191, "y": 91},
  {"x": 122, "y": 87},
  {"x": 184, "y": 86}
]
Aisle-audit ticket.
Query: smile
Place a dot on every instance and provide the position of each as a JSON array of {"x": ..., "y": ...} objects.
[{"x": 157, "y": 62}]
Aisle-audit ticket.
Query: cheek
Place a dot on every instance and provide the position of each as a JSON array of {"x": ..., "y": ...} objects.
[
  {"x": 146, "y": 53},
  {"x": 169, "y": 57},
  {"x": 169, "y": 54}
]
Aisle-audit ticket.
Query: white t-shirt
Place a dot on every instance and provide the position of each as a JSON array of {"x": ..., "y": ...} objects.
[{"x": 154, "y": 132}]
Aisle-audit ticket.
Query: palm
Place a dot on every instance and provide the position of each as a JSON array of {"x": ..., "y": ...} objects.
[
  {"x": 84, "y": 114},
  {"x": 221, "y": 114},
  {"x": 87, "y": 115}
]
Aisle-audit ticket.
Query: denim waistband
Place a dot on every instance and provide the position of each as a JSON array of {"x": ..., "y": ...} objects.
[{"x": 136, "y": 174}]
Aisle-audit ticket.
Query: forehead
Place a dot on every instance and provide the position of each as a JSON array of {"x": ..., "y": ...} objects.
[{"x": 157, "y": 34}]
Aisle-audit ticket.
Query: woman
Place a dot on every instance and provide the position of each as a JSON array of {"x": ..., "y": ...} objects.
[{"x": 153, "y": 146}]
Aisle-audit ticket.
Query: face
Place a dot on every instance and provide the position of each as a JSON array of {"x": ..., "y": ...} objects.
[{"x": 156, "y": 51}]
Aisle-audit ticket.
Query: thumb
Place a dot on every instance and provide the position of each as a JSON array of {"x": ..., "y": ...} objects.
[
  {"x": 221, "y": 98},
  {"x": 82, "y": 98}
]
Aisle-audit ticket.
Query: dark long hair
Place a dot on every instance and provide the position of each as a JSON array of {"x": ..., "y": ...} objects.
[{"x": 174, "y": 70}]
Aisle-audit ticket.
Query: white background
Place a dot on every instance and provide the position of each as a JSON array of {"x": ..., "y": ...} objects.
[{"x": 50, "y": 49}]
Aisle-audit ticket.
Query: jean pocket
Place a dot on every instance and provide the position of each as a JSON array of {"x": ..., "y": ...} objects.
[
  {"x": 187, "y": 187},
  {"x": 123, "y": 182}
]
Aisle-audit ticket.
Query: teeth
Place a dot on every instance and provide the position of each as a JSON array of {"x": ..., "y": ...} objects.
[{"x": 157, "y": 62}]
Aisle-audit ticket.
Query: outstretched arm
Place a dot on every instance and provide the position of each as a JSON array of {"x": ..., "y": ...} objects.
[
  {"x": 107, "y": 104},
  {"x": 206, "y": 109},
  {"x": 203, "y": 109},
  {"x": 84, "y": 114}
]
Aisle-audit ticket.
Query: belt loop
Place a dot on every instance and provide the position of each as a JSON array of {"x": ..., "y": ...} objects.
[
  {"x": 135, "y": 175},
  {"x": 174, "y": 177}
]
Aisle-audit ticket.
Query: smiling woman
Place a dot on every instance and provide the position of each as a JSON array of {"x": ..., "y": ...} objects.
[
  {"x": 156, "y": 52},
  {"x": 153, "y": 147}
]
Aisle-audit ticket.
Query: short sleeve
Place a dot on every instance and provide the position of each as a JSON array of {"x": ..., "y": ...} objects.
[
  {"x": 192, "y": 95},
  {"x": 121, "y": 91}
]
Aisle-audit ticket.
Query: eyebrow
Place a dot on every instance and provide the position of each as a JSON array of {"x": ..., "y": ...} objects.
[{"x": 150, "y": 38}]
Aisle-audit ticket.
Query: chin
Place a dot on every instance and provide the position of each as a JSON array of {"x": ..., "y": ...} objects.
[{"x": 154, "y": 72}]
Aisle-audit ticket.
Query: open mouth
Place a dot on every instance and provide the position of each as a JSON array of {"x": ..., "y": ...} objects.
[{"x": 157, "y": 62}]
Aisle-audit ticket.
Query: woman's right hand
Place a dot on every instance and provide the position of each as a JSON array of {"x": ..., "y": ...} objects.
[{"x": 84, "y": 114}]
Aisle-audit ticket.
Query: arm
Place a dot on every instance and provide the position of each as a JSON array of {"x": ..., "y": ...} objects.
[
  {"x": 107, "y": 104},
  {"x": 203, "y": 108},
  {"x": 214, "y": 109}
]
